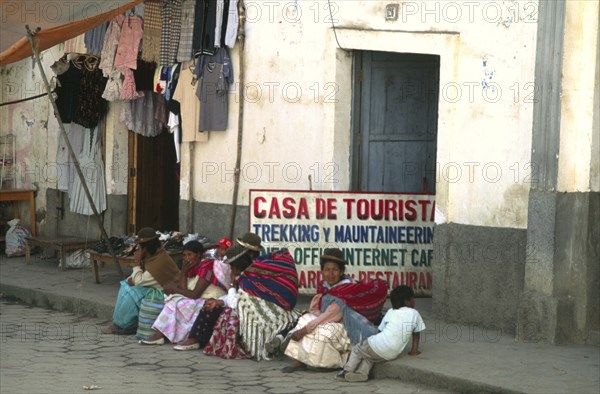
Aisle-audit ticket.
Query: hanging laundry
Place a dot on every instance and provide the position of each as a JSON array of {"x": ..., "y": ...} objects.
[
  {"x": 174, "y": 107},
  {"x": 144, "y": 75},
  {"x": 175, "y": 129},
  {"x": 232, "y": 24},
  {"x": 67, "y": 93},
  {"x": 190, "y": 107},
  {"x": 66, "y": 173},
  {"x": 129, "y": 43},
  {"x": 186, "y": 39},
  {"x": 76, "y": 45},
  {"x": 139, "y": 115},
  {"x": 91, "y": 107},
  {"x": 112, "y": 92},
  {"x": 215, "y": 75},
  {"x": 92, "y": 167},
  {"x": 171, "y": 31},
  {"x": 129, "y": 90},
  {"x": 94, "y": 39},
  {"x": 219, "y": 22},
  {"x": 111, "y": 42},
  {"x": 204, "y": 38},
  {"x": 152, "y": 31}
]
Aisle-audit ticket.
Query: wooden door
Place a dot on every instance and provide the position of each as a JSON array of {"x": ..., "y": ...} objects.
[
  {"x": 153, "y": 197},
  {"x": 396, "y": 98}
]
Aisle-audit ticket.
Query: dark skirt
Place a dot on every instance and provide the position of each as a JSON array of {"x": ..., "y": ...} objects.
[{"x": 203, "y": 326}]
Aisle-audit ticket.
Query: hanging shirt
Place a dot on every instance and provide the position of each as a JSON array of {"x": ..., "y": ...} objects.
[
  {"x": 190, "y": 108},
  {"x": 186, "y": 39},
  {"x": 232, "y": 24},
  {"x": 111, "y": 41},
  {"x": 216, "y": 74},
  {"x": 171, "y": 31},
  {"x": 67, "y": 93},
  {"x": 204, "y": 38},
  {"x": 219, "y": 22},
  {"x": 144, "y": 75},
  {"x": 152, "y": 31},
  {"x": 91, "y": 107},
  {"x": 129, "y": 43},
  {"x": 129, "y": 91},
  {"x": 94, "y": 39},
  {"x": 112, "y": 91}
]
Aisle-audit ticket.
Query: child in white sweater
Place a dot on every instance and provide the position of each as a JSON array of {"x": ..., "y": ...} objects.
[{"x": 399, "y": 325}]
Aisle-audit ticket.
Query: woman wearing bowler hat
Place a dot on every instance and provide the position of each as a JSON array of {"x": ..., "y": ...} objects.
[
  {"x": 340, "y": 315},
  {"x": 154, "y": 269}
]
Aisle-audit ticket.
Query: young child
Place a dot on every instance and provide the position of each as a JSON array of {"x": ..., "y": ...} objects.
[{"x": 398, "y": 326}]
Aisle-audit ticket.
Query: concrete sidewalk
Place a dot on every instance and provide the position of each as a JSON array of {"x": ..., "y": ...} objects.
[{"x": 454, "y": 357}]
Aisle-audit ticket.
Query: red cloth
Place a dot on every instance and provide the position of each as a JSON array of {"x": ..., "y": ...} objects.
[
  {"x": 366, "y": 298},
  {"x": 204, "y": 270}
]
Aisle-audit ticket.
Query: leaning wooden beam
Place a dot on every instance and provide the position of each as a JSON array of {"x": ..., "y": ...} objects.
[{"x": 36, "y": 55}]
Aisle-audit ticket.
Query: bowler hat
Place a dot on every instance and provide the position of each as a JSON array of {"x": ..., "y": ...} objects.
[
  {"x": 146, "y": 234},
  {"x": 333, "y": 254},
  {"x": 251, "y": 241},
  {"x": 234, "y": 253}
]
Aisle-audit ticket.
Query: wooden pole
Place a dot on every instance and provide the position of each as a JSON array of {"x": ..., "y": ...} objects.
[
  {"x": 238, "y": 160},
  {"x": 30, "y": 37}
]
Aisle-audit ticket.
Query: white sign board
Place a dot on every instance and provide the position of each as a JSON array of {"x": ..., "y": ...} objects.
[{"x": 387, "y": 236}]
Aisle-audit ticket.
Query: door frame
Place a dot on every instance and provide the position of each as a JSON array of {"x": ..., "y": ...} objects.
[{"x": 357, "y": 137}]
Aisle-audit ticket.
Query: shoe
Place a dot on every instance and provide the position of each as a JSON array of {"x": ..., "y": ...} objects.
[
  {"x": 125, "y": 331},
  {"x": 274, "y": 345},
  {"x": 356, "y": 377},
  {"x": 341, "y": 376},
  {"x": 193, "y": 346},
  {"x": 160, "y": 341}
]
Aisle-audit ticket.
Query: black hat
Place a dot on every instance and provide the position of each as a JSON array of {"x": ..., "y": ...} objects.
[
  {"x": 251, "y": 241},
  {"x": 234, "y": 253},
  {"x": 333, "y": 254},
  {"x": 146, "y": 234}
]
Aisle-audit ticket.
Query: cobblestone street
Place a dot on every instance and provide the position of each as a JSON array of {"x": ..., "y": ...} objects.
[{"x": 45, "y": 351}]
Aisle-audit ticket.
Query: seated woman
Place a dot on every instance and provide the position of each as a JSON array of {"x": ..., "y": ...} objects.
[
  {"x": 257, "y": 307},
  {"x": 154, "y": 269},
  {"x": 320, "y": 340},
  {"x": 238, "y": 258},
  {"x": 197, "y": 283}
]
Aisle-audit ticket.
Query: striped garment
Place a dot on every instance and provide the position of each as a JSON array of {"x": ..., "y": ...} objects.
[
  {"x": 260, "y": 321},
  {"x": 171, "y": 31},
  {"x": 150, "y": 308},
  {"x": 272, "y": 278},
  {"x": 205, "y": 270},
  {"x": 152, "y": 31},
  {"x": 366, "y": 298},
  {"x": 188, "y": 12}
]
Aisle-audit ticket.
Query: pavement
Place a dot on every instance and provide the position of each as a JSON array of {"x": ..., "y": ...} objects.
[
  {"x": 46, "y": 351},
  {"x": 456, "y": 358}
]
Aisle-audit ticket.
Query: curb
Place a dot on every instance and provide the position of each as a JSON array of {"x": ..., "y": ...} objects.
[
  {"x": 57, "y": 302},
  {"x": 399, "y": 371}
]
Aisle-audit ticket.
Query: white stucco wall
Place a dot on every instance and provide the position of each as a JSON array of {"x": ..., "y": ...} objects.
[
  {"x": 580, "y": 84},
  {"x": 34, "y": 125},
  {"x": 484, "y": 130}
]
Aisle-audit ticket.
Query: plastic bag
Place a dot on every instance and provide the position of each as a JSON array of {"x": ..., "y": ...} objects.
[
  {"x": 77, "y": 259},
  {"x": 15, "y": 239}
]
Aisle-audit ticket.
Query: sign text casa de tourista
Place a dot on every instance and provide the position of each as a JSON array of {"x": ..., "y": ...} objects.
[{"x": 386, "y": 236}]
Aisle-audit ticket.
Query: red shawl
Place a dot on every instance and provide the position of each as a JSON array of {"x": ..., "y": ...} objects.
[{"x": 366, "y": 298}]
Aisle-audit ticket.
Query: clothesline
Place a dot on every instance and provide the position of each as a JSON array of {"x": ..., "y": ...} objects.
[{"x": 25, "y": 99}]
